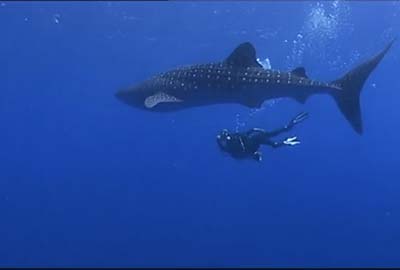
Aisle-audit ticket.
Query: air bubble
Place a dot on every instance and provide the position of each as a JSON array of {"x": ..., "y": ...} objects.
[
  {"x": 56, "y": 18},
  {"x": 266, "y": 64}
]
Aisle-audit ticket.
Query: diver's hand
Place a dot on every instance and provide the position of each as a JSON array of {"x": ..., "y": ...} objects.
[
  {"x": 297, "y": 119},
  {"x": 291, "y": 141}
]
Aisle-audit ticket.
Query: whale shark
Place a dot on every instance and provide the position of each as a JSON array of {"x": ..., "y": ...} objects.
[{"x": 241, "y": 79}]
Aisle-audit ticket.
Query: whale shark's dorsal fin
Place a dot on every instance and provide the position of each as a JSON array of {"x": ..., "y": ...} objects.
[
  {"x": 243, "y": 56},
  {"x": 160, "y": 97},
  {"x": 300, "y": 71}
]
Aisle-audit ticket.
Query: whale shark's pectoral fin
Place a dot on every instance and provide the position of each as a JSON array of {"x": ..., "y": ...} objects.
[
  {"x": 300, "y": 72},
  {"x": 243, "y": 56},
  {"x": 160, "y": 97}
]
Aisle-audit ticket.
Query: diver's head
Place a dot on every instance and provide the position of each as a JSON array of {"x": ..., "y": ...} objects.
[{"x": 223, "y": 139}]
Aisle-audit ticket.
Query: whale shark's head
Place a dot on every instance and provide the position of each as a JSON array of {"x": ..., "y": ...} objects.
[
  {"x": 153, "y": 94},
  {"x": 135, "y": 96}
]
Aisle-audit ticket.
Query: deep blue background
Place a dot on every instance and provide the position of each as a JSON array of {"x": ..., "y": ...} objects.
[{"x": 88, "y": 181}]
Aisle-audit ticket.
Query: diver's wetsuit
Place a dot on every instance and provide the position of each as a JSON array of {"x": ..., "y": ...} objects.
[{"x": 246, "y": 144}]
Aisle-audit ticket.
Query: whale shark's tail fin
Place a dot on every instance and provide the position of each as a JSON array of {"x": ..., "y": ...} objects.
[{"x": 348, "y": 99}]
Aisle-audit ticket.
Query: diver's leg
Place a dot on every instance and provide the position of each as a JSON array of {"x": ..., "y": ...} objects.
[
  {"x": 291, "y": 141},
  {"x": 274, "y": 144},
  {"x": 294, "y": 121}
]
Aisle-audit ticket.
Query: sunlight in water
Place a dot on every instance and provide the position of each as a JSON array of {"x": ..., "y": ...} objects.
[
  {"x": 321, "y": 23},
  {"x": 325, "y": 22},
  {"x": 266, "y": 64}
]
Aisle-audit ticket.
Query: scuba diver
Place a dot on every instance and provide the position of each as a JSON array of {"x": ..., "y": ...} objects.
[{"x": 242, "y": 145}]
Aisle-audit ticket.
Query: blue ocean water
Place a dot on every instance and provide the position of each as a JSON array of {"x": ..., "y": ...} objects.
[{"x": 86, "y": 180}]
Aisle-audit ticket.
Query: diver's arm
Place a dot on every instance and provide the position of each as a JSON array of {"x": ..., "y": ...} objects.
[
  {"x": 274, "y": 144},
  {"x": 277, "y": 131},
  {"x": 291, "y": 141},
  {"x": 297, "y": 119},
  {"x": 257, "y": 135}
]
